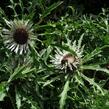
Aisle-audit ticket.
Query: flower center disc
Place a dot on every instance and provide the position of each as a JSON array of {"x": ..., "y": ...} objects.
[
  {"x": 68, "y": 58},
  {"x": 20, "y": 36}
]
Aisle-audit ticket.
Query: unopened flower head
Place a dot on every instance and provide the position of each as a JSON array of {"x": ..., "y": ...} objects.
[
  {"x": 65, "y": 59},
  {"x": 18, "y": 35}
]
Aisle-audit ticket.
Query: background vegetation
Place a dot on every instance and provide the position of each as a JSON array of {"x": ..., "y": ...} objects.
[{"x": 34, "y": 83}]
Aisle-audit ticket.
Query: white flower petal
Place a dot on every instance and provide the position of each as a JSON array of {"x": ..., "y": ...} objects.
[
  {"x": 17, "y": 48},
  {"x": 21, "y": 49},
  {"x": 12, "y": 46}
]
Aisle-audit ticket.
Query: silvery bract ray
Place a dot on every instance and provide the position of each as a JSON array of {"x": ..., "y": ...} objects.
[
  {"x": 18, "y": 35},
  {"x": 65, "y": 59}
]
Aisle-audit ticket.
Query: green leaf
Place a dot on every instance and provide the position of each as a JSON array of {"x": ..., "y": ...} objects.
[
  {"x": 80, "y": 41},
  {"x": 66, "y": 48},
  {"x": 90, "y": 56},
  {"x": 2, "y": 13},
  {"x": 11, "y": 1},
  {"x": 28, "y": 70},
  {"x": 106, "y": 39},
  {"x": 18, "y": 100},
  {"x": 63, "y": 95},
  {"x": 2, "y": 91},
  {"x": 95, "y": 52},
  {"x": 34, "y": 52},
  {"x": 91, "y": 81},
  {"x": 94, "y": 67},
  {"x": 48, "y": 82},
  {"x": 20, "y": 72},
  {"x": 46, "y": 52},
  {"x": 16, "y": 74},
  {"x": 51, "y": 8}
]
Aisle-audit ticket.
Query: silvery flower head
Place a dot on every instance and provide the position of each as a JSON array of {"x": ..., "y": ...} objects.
[
  {"x": 18, "y": 35},
  {"x": 64, "y": 59}
]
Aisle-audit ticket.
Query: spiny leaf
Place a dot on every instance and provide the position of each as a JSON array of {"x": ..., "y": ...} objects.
[
  {"x": 91, "y": 81},
  {"x": 17, "y": 73},
  {"x": 20, "y": 72},
  {"x": 80, "y": 41},
  {"x": 90, "y": 56},
  {"x": 95, "y": 52},
  {"x": 50, "y": 81},
  {"x": 66, "y": 48},
  {"x": 63, "y": 95},
  {"x": 94, "y": 67},
  {"x": 45, "y": 53},
  {"x": 28, "y": 70},
  {"x": 51, "y": 8},
  {"x": 18, "y": 100}
]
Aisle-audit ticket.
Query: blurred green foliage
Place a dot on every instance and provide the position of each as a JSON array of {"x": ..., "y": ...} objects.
[{"x": 32, "y": 82}]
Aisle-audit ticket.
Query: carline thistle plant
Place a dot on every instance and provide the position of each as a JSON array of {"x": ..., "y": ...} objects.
[
  {"x": 18, "y": 35},
  {"x": 64, "y": 59}
]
